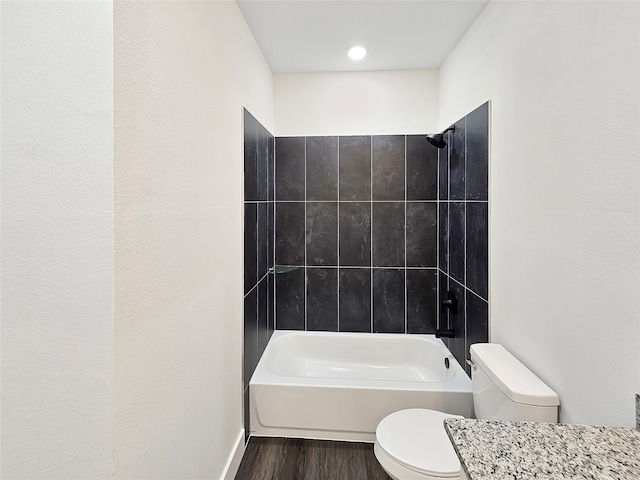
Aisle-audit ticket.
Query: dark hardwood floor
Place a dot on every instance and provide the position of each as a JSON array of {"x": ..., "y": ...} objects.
[{"x": 296, "y": 459}]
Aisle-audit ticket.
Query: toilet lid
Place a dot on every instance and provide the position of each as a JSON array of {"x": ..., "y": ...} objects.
[{"x": 416, "y": 439}]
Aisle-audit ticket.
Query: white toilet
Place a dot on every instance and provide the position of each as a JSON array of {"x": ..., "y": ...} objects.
[{"x": 413, "y": 445}]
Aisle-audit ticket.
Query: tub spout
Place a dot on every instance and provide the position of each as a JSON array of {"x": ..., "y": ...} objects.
[{"x": 445, "y": 333}]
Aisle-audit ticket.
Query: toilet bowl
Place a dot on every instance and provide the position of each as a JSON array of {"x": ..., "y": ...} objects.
[{"x": 413, "y": 444}]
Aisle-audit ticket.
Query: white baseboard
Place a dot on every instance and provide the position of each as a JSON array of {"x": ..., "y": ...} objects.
[{"x": 231, "y": 468}]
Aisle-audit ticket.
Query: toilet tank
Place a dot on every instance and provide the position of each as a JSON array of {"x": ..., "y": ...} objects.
[{"x": 504, "y": 389}]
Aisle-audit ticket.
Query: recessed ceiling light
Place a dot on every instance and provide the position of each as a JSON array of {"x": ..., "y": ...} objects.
[{"x": 357, "y": 52}]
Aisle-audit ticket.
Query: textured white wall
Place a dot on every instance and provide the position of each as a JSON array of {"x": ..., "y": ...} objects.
[
  {"x": 183, "y": 71},
  {"x": 57, "y": 240},
  {"x": 564, "y": 82},
  {"x": 353, "y": 103}
]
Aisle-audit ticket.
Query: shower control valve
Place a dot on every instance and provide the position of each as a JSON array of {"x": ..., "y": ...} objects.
[{"x": 451, "y": 302}]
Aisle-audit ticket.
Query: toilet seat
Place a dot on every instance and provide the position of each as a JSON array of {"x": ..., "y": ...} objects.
[{"x": 413, "y": 444}]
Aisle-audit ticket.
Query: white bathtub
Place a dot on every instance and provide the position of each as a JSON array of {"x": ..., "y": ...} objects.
[{"x": 338, "y": 386}]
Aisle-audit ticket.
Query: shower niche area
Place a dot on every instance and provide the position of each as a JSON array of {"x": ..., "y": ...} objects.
[{"x": 368, "y": 233}]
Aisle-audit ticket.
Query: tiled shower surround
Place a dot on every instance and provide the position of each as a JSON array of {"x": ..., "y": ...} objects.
[
  {"x": 258, "y": 247},
  {"x": 463, "y": 243},
  {"x": 372, "y": 231}
]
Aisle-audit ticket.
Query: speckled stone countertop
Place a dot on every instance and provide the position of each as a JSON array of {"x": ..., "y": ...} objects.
[{"x": 490, "y": 450}]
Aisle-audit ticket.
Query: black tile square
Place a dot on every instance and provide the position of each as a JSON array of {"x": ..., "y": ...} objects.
[
  {"x": 457, "y": 161},
  {"x": 263, "y": 163},
  {"x": 355, "y": 234},
  {"x": 250, "y": 334},
  {"x": 388, "y": 234},
  {"x": 388, "y": 167},
  {"x": 422, "y": 169},
  {"x": 443, "y": 312},
  {"x": 477, "y": 153},
  {"x": 322, "y": 299},
  {"x": 322, "y": 233},
  {"x": 290, "y": 300},
  {"x": 443, "y": 173},
  {"x": 270, "y": 233},
  {"x": 355, "y": 300},
  {"x": 250, "y": 157},
  {"x": 322, "y": 168},
  {"x": 250, "y": 246},
  {"x": 477, "y": 248},
  {"x": 422, "y": 234},
  {"x": 456, "y": 241},
  {"x": 263, "y": 316},
  {"x": 457, "y": 323},
  {"x": 443, "y": 237},
  {"x": 290, "y": 164},
  {"x": 355, "y": 168},
  {"x": 289, "y": 233},
  {"x": 477, "y": 321},
  {"x": 422, "y": 301},
  {"x": 263, "y": 239},
  {"x": 388, "y": 300},
  {"x": 271, "y": 310},
  {"x": 271, "y": 166}
]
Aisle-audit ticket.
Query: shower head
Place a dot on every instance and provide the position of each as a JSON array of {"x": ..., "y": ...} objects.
[{"x": 437, "y": 139}]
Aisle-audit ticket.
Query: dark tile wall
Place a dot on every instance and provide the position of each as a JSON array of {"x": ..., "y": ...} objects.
[
  {"x": 356, "y": 245},
  {"x": 463, "y": 211},
  {"x": 259, "y": 224},
  {"x": 371, "y": 232}
]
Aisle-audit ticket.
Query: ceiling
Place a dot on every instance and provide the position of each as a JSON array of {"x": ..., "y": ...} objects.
[{"x": 314, "y": 35}]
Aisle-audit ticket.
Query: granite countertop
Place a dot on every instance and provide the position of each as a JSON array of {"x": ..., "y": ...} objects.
[{"x": 490, "y": 450}]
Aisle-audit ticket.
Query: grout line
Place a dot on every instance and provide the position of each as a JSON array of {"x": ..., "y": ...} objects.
[
  {"x": 305, "y": 234},
  {"x": 256, "y": 285},
  {"x": 451, "y": 136},
  {"x": 372, "y": 201},
  {"x": 338, "y": 236},
  {"x": 275, "y": 294},
  {"x": 257, "y": 347},
  {"x": 273, "y": 245},
  {"x": 489, "y": 226},
  {"x": 438, "y": 296},
  {"x": 467, "y": 288},
  {"x": 464, "y": 150},
  {"x": 438, "y": 239},
  {"x": 371, "y": 226},
  {"x": 406, "y": 281},
  {"x": 356, "y": 267}
]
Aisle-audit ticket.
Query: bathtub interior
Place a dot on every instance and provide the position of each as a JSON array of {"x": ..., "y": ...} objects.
[{"x": 361, "y": 357}]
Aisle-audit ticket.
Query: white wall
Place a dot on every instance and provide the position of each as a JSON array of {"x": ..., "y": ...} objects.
[
  {"x": 353, "y": 103},
  {"x": 564, "y": 82},
  {"x": 57, "y": 242},
  {"x": 183, "y": 71}
]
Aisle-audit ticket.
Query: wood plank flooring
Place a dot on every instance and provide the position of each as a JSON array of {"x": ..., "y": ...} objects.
[{"x": 297, "y": 459}]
